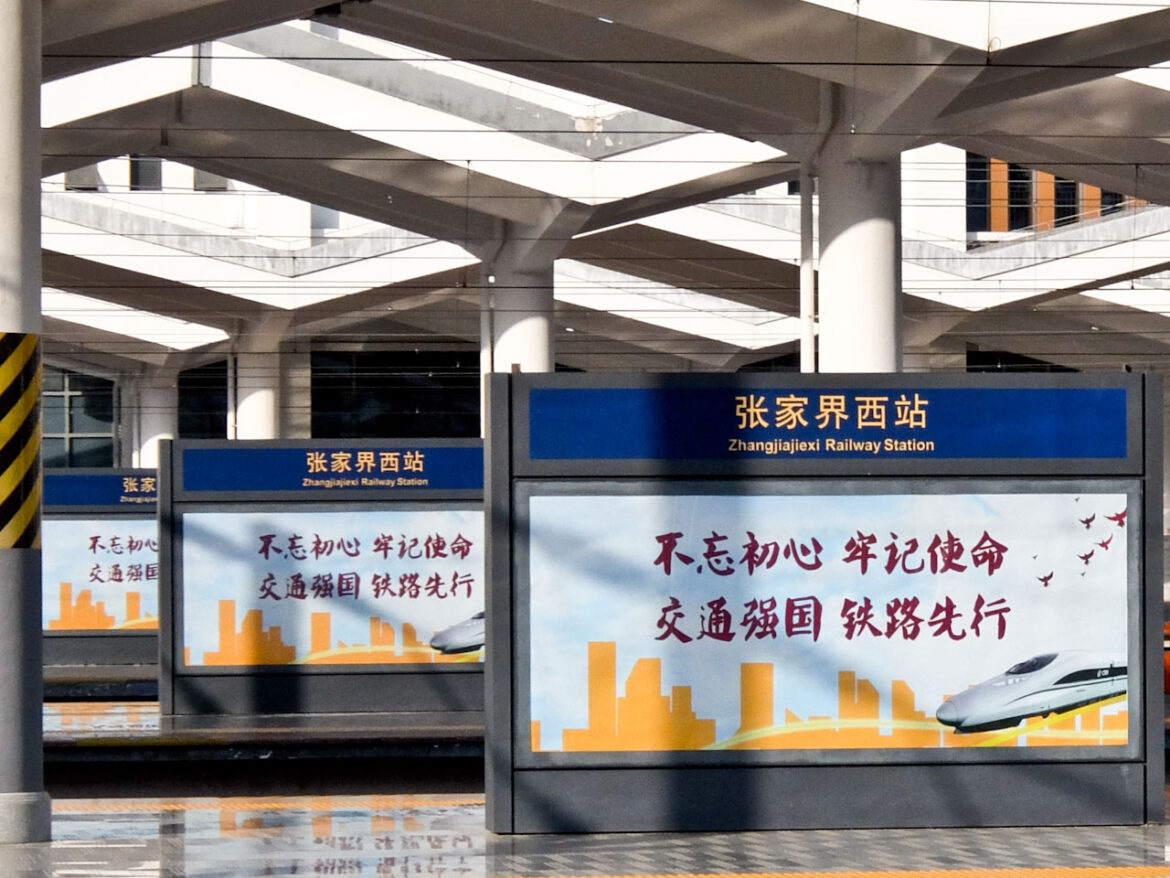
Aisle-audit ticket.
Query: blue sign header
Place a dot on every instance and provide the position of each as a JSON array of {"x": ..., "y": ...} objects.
[
  {"x": 122, "y": 490},
  {"x": 738, "y": 422},
  {"x": 317, "y": 469}
]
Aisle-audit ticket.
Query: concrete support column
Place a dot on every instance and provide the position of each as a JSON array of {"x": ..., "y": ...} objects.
[
  {"x": 808, "y": 276},
  {"x": 257, "y": 395},
  {"x": 296, "y": 393},
  {"x": 1166, "y": 512},
  {"x": 517, "y": 319},
  {"x": 157, "y": 410},
  {"x": 860, "y": 283},
  {"x": 24, "y": 805}
]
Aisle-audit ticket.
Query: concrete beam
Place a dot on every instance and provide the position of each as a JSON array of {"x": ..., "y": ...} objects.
[
  {"x": 585, "y": 134},
  {"x": 661, "y": 74},
  {"x": 145, "y": 292},
  {"x": 1073, "y": 58},
  {"x": 81, "y": 35},
  {"x": 724, "y": 184}
]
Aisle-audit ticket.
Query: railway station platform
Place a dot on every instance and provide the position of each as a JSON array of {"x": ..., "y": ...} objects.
[
  {"x": 135, "y": 794},
  {"x": 442, "y": 836},
  {"x": 95, "y": 747}
]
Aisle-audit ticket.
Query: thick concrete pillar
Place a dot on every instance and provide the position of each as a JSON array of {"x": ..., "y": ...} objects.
[
  {"x": 24, "y": 805},
  {"x": 517, "y": 319},
  {"x": 157, "y": 409},
  {"x": 254, "y": 379},
  {"x": 257, "y": 395},
  {"x": 860, "y": 283},
  {"x": 296, "y": 392}
]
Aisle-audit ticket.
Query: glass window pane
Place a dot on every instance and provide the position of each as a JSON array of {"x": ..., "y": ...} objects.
[
  {"x": 98, "y": 451},
  {"x": 93, "y": 413},
  {"x": 978, "y": 193},
  {"x": 1019, "y": 197},
  {"x": 54, "y": 379},
  {"x": 53, "y": 412},
  {"x": 203, "y": 402},
  {"x": 1066, "y": 201},
  {"x": 395, "y": 393},
  {"x": 53, "y": 453}
]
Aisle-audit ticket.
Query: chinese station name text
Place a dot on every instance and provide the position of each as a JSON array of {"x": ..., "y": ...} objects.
[
  {"x": 832, "y": 412},
  {"x": 365, "y": 469},
  {"x": 139, "y": 489}
]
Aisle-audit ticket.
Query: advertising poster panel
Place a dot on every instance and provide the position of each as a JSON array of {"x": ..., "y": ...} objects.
[
  {"x": 99, "y": 574},
  {"x": 830, "y": 619},
  {"x": 318, "y": 587}
]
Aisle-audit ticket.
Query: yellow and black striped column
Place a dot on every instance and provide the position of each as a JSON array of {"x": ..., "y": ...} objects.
[
  {"x": 20, "y": 441},
  {"x": 25, "y": 808}
]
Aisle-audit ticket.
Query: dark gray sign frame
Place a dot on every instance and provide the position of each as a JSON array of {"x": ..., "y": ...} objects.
[
  {"x": 101, "y": 648},
  {"x": 301, "y": 689},
  {"x": 606, "y": 792}
]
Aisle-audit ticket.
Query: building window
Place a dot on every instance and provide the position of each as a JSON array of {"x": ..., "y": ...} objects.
[
  {"x": 1111, "y": 202},
  {"x": 1019, "y": 197},
  {"x": 205, "y": 181},
  {"x": 203, "y": 402},
  {"x": 1066, "y": 208},
  {"x": 1003, "y": 197},
  {"x": 978, "y": 193},
  {"x": 409, "y": 394},
  {"x": 145, "y": 173},
  {"x": 84, "y": 179},
  {"x": 322, "y": 221},
  {"x": 78, "y": 413}
]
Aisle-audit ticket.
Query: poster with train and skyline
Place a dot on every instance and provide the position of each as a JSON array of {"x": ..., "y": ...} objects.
[
  {"x": 99, "y": 574},
  {"x": 786, "y": 622},
  {"x": 331, "y": 587}
]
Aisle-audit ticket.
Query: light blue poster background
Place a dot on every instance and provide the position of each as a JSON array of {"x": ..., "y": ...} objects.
[
  {"x": 108, "y": 556},
  {"x": 223, "y": 559},
  {"x": 594, "y": 577}
]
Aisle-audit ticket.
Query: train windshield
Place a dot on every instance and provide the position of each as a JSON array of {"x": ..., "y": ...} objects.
[{"x": 1033, "y": 664}]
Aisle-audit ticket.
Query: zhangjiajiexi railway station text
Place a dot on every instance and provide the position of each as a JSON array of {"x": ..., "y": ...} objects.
[{"x": 775, "y": 447}]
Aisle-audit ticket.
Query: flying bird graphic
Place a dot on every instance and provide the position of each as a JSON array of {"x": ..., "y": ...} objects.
[
  {"x": 1119, "y": 518},
  {"x": 1087, "y": 522},
  {"x": 1045, "y": 579},
  {"x": 1086, "y": 558},
  {"x": 1105, "y": 544}
]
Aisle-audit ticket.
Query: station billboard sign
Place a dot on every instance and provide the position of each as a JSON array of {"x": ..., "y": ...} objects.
[
  {"x": 316, "y": 567},
  {"x": 761, "y": 575}
]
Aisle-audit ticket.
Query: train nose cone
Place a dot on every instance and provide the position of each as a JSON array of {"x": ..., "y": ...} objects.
[{"x": 947, "y": 714}]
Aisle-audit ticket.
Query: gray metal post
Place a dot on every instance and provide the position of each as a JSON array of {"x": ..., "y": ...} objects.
[{"x": 24, "y": 805}]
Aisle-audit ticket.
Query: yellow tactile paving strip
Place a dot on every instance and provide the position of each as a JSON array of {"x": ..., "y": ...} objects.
[
  {"x": 1055, "y": 872},
  {"x": 292, "y": 803}
]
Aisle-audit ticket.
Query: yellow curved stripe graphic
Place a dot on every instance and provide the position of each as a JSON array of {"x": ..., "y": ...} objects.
[
  {"x": 1043, "y": 723},
  {"x": 823, "y": 725}
]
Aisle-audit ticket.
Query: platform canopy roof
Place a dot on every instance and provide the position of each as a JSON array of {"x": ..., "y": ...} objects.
[{"x": 362, "y": 161}]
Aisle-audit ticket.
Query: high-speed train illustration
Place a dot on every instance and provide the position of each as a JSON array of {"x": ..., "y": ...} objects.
[
  {"x": 1053, "y": 682},
  {"x": 465, "y": 636}
]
